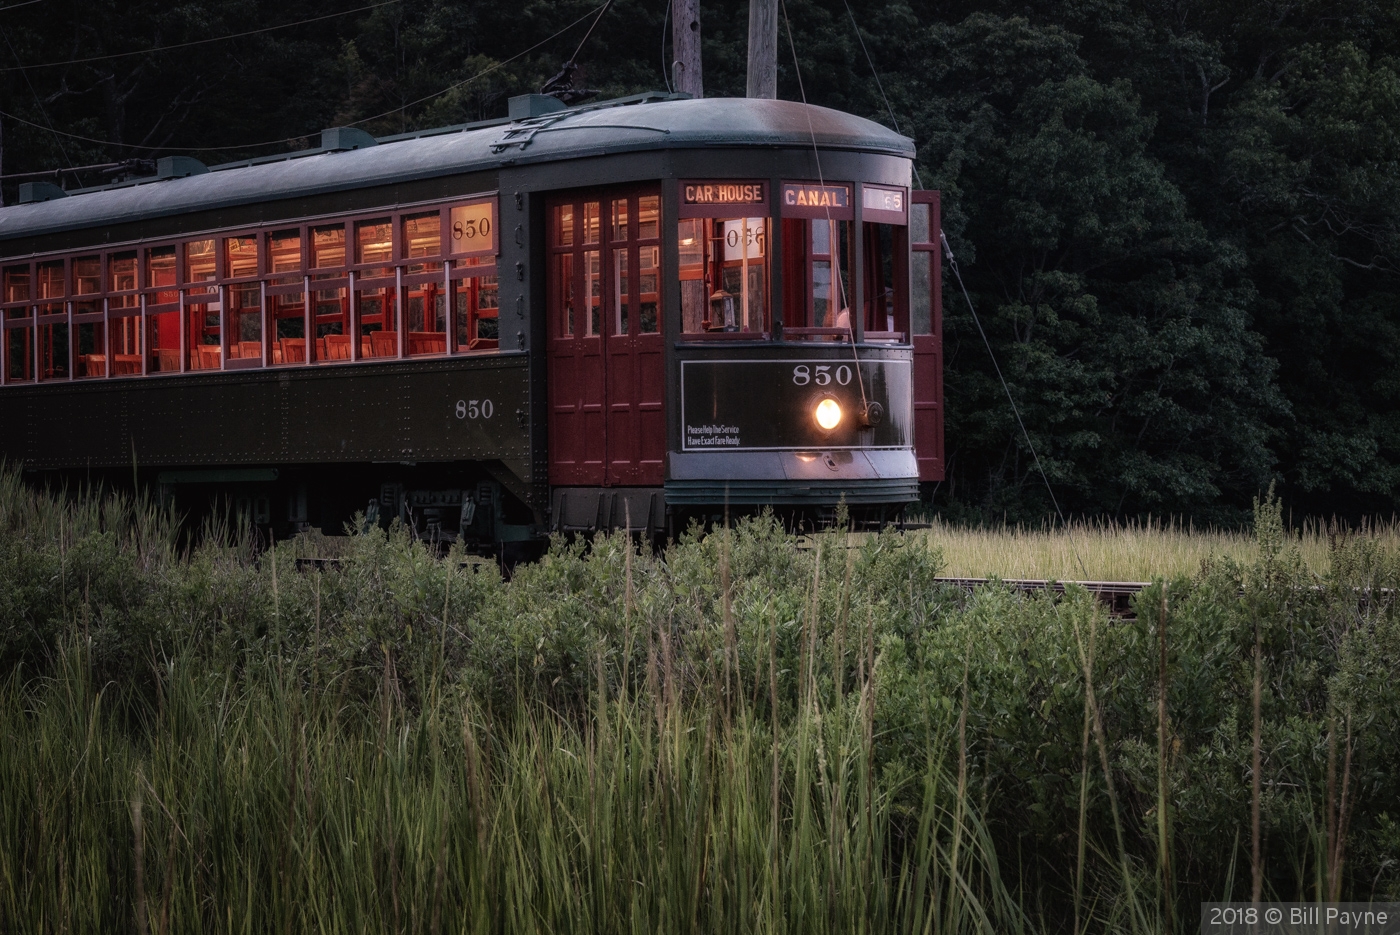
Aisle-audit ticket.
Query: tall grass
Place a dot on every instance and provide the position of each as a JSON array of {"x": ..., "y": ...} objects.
[
  {"x": 741, "y": 734},
  {"x": 257, "y": 806},
  {"x": 1134, "y": 550}
]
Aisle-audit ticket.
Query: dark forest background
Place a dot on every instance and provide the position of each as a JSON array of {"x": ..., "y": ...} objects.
[{"x": 1180, "y": 221}]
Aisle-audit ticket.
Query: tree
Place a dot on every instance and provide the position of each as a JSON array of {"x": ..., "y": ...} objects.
[
  {"x": 1122, "y": 327},
  {"x": 1179, "y": 220}
]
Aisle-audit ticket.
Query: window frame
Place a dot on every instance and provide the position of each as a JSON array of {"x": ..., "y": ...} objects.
[
  {"x": 752, "y": 198},
  {"x": 9, "y": 321},
  {"x": 77, "y": 319},
  {"x": 273, "y": 290},
  {"x": 44, "y": 321},
  {"x": 845, "y": 224}
]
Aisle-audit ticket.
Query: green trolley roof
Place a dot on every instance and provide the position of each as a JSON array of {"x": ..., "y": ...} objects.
[{"x": 574, "y": 133}]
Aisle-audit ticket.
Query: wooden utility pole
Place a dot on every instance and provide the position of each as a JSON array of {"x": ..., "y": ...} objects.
[
  {"x": 763, "y": 49},
  {"x": 685, "y": 46}
]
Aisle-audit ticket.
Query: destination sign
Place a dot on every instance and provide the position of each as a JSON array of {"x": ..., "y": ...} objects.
[
  {"x": 882, "y": 205},
  {"x": 720, "y": 197},
  {"x": 815, "y": 200}
]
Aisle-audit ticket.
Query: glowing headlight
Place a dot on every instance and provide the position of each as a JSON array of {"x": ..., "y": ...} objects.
[{"x": 828, "y": 414}]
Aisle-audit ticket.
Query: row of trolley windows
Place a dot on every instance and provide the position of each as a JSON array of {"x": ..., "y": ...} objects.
[
  {"x": 360, "y": 290},
  {"x": 725, "y": 274}
]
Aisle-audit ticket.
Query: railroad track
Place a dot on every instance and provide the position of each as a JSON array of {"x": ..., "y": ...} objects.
[{"x": 1116, "y": 595}]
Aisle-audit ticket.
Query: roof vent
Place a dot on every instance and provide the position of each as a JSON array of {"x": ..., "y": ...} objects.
[
  {"x": 525, "y": 106},
  {"x": 341, "y": 139},
  {"x": 179, "y": 167},
  {"x": 34, "y": 192}
]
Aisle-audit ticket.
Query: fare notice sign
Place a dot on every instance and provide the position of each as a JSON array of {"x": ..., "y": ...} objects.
[
  {"x": 718, "y": 411},
  {"x": 723, "y": 198}
]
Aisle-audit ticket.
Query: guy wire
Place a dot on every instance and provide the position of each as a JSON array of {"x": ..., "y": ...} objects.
[
  {"x": 953, "y": 264},
  {"x": 291, "y": 139}
]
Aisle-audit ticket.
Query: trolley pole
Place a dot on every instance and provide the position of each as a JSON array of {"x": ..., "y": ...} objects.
[
  {"x": 685, "y": 46},
  {"x": 763, "y": 49}
]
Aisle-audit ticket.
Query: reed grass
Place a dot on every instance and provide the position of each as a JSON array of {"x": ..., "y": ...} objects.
[
  {"x": 745, "y": 733},
  {"x": 227, "y": 807}
]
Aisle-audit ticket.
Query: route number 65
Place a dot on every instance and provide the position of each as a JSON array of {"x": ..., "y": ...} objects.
[{"x": 821, "y": 375}]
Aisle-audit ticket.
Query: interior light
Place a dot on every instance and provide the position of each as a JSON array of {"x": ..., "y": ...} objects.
[
  {"x": 828, "y": 413},
  {"x": 687, "y": 241}
]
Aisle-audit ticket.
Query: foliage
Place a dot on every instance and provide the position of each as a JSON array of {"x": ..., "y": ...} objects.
[
  {"x": 400, "y": 737},
  {"x": 1179, "y": 223}
]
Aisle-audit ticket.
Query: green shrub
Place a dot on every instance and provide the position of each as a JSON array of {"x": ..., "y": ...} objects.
[{"x": 406, "y": 741}]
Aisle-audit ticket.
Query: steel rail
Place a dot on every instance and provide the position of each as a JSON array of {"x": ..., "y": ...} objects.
[{"x": 1117, "y": 595}]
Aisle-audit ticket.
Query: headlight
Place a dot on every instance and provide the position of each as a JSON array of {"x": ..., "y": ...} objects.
[{"x": 828, "y": 414}]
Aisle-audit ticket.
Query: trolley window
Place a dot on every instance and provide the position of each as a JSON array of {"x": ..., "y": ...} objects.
[
  {"x": 327, "y": 248},
  {"x": 19, "y": 351},
  {"x": 817, "y": 253},
  {"x": 374, "y": 244},
  {"x": 89, "y": 324},
  {"x": 87, "y": 275},
  {"x": 121, "y": 269},
  {"x": 200, "y": 264},
  {"x": 425, "y": 299},
  {"x": 885, "y": 263},
  {"x": 422, "y": 239},
  {"x": 284, "y": 257},
  {"x": 204, "y": 331},
  {"x": 475, "y": 305},
  {"x": 17, "y": 284},
  {"x": 723, "y": 234},
  {"x": 330, "y": 303},
  {"x": 240, "y": 257},
  {"x": 51, "y": 345},
  {"x": 244, "y": 324},
  {"x": 17, "y": 333},
  {"x": 162, "y": 311},
  {"x": 286, "y": 299},
  {"x": 123, "y": 311},
  {"x": 51, "y": 280}
]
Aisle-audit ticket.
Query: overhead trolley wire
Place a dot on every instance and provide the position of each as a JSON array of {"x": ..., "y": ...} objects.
[
  {"x": 665, "y": 21},
  {"x": 484, "y": 72},
  {"x": 879, "y": 84},
  {"x": 185, "y": 45},
  {"x": 38, "y": 102},
  {"x": 218, "y": 149},
  {"x": 584, "y": 40},
  {"x": 835, "y": 245}
]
